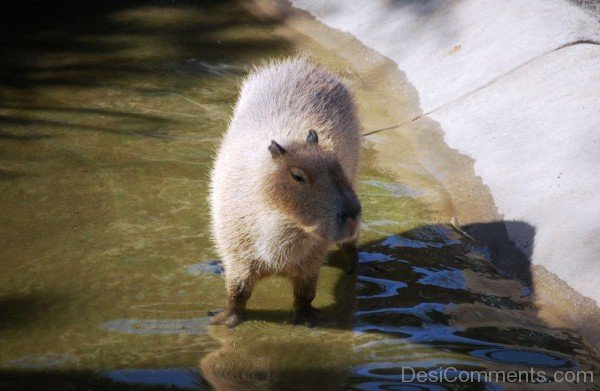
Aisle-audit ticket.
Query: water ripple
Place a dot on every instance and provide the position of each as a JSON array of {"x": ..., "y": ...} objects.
[
  {"x": 196, "y": 326},
  {"x": 450, "y": 278},
  {"x": 435, "y": 237},
  {"x": 366, "y": 257},
  {"x": 387, "y": 288},
  {"x": 426, "y": 334},
  {"x": 523, "y": 357},
  {"x": 420, "y": 310}
]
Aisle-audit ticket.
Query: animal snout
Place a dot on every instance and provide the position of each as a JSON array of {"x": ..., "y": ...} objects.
[{"x": 349, "y": 214}]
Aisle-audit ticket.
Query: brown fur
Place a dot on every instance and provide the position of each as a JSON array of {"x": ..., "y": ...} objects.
[{"x": 283, "y": 182}]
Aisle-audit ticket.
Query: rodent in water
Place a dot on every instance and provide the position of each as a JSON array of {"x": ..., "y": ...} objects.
[{"x": 283, "y": 183}]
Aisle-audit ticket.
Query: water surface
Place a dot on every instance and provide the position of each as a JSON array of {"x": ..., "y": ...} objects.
[{"x": 109, "y": 116}]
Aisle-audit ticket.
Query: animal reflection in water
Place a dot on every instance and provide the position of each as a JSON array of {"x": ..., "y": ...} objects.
[{"x": 268, "y": 352}]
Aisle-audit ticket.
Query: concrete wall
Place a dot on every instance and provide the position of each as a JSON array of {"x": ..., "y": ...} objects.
[{"x": 516, "y": 86}]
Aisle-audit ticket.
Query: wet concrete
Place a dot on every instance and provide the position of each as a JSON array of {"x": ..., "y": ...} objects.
[{"x": 109, "y": 118}]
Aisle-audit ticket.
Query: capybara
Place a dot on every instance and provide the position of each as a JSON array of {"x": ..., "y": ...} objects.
[{"x": 283, "y": 183}]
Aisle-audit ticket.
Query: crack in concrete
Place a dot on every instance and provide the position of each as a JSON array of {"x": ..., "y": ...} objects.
[
  {"x": 578, "y": 42},
  {"x": 494, "y": 80}
]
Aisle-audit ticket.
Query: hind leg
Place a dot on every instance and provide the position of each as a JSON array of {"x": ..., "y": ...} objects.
[{"x": 239, "y": 290}]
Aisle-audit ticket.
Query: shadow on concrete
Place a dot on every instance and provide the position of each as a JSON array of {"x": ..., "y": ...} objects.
[{"x": 512, "y": 258}]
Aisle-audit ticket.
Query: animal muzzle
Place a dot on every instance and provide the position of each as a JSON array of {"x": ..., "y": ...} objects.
[{"x": 349, "y": 217}]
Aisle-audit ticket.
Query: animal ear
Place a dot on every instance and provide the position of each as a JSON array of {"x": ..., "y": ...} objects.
[
  {"x": 312, "y": 138},
  {"x": 276, "y": 149}
]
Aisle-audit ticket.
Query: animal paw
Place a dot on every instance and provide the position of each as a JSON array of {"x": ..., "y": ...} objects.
[
  {"x": 306, "y": 316},
  {"x": 228, "y": 318}
]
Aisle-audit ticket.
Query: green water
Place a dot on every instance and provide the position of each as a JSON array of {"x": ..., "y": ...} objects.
[{"x": 109, "y": 117}]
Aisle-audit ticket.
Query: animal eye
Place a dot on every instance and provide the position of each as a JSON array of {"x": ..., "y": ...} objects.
[{"x": 298, "y": 178}]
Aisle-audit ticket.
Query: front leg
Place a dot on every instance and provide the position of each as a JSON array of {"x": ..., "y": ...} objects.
[
  {"x": 350, "y": 250},
  {"x": 305, "y": 288},
  {"x": 239, "y": 290}
]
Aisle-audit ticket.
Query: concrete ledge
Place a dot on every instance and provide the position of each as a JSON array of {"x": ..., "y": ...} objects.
[{"x": 448, "y": 49}]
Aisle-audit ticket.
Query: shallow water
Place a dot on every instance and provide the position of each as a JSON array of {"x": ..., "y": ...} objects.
[{"x": 108, "y": 120}]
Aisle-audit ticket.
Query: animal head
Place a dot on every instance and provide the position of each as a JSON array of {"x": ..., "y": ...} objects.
[{"x": 308, "y": 186}]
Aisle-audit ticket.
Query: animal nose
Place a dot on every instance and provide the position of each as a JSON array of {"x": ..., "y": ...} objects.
[{"x": 348, "y": 214}]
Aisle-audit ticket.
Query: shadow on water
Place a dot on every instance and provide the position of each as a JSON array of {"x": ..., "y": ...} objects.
[
  {"x": 425, "y": 299},
  {"x": 132, "y": 47},
  {"x": 17, "y": 311},
  {"x": 103, "y": 30}
]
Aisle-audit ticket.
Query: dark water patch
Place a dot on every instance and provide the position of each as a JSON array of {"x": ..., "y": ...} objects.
[
  {"x": 120, "y": 379},
  {"x": 414, "y": 329},
  {"x": 451, "y": 279},
  {"x": 370, "y": 287},
  {"x": 501, "y": 302},
  {"x": 172, "y": 378},
  {"x": 368, "y": 256}
]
